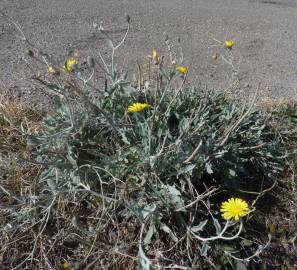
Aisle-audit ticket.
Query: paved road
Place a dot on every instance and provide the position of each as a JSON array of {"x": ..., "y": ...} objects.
[{"x": 265, "y": 32}]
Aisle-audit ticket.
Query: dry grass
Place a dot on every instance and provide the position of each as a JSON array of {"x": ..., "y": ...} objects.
[{"x": 59, "y": 243}]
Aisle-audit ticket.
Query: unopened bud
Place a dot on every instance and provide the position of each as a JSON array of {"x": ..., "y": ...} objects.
[
  {"x": 215, "y": 56},
  {"x": 66, "y": 265},
  {"x": 128, "y": 18},
  {"x": 39, "y": 76},
  {"x": 30, "y": 52},
  {"x": 52, "y": 70},
  {"x": 90, "y": 62}
]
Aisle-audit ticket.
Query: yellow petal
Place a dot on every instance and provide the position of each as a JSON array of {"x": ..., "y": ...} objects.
[
  {"x": 70, "y": 64},
  {"x": 182, "y": 69},
  {"x": 229, "y": 43},
  {"x": 138, "y": 107},
  {"x": 66, "y": 265},
  {"x": 234, "y": 208},
  {"x": 52, "y": 70},
  {"x": 155, "y": 56}
]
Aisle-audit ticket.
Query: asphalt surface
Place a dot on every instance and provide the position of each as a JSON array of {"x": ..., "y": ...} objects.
[{"x": 265, "y": 33}]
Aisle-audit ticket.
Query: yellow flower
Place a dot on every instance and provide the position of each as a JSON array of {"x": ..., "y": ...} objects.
[
  {"x": 66, "y": 265},
  {"x": 234, "y": 208},
  {"x": 52, "y": 70},
  {"x": 138, "y": 107},
  {"x": 229, "y": 44},
  {"x": 155, "y": 56},
  {"x": 272, "y": 228},
  {"x": 70, "y": 64},
  {"x": 182, "y": 69}
]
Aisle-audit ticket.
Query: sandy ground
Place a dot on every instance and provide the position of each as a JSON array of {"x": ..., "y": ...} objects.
[{"x": 265, "y": 33}]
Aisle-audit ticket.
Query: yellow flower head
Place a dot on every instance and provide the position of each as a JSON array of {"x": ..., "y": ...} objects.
[
  {"x": 234, "y": 208},
  {"x": 155, "y": 56},
  {"x": 272, "y": 228},
  {"x": 52, "y": 70},
  {"x": 229, "y": 44},
  {"x": 66, "y": 265},
  {"x": 70, "y": 64},
  {"x": 183, "y": 70},
  {"x": 138, "y": 107}
]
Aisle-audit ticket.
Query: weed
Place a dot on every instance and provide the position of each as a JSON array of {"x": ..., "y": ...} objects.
[{"x": 133, "y": 175}]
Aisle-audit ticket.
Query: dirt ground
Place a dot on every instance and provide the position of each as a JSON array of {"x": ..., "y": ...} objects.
[{"x": 265, "y": 33}]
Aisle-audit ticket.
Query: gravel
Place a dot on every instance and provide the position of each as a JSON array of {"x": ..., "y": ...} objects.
[{"x": 264, "y": 31}]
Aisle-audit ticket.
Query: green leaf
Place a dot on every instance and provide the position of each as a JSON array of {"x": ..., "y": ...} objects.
[
  {"x": 148, "y": 210},
  {"x": 187, "y": 169},
  {"x": 208, "y": 168},
  {"x": 199, "y": 227},
  {"x": 128, "y": 90},
  {"x": 149, "y": 234},
  {"x": 143, "y": 261},
  {"x": 240, "y": 265},
  {"x": 232, "y": 173},
  {"x": 205, "y": 247},
  {"x": 173, "y": 191},
  {"x": 166, "y": 229},
  {"x": 229, "y": 249},
  {"x": 34, "y": 141},
  {"x": 175, "y": 197},
  {"x": 217, "y": 226},
  {"x": 51, "y": 184},
  {"x": 109, "y": 43},
  {"x": 123, "y": 135},
  {"x": 246, "y": 242}
]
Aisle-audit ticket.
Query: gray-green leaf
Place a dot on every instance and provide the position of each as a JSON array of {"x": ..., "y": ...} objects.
[
  {"x": 166, "y": 229},
  {"x": 199, "y": 227},
  {"x": 148, "y": 210},
  {"x": 217, "y": 226},
  {"x": 143, "y": 261},
  {"x": 149, "y": 234},
  {"x": 205, "y": 247},
  {"x": 208, "y": 168}
]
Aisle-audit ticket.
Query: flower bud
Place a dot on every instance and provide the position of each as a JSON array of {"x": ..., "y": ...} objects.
[
  {"x": 229, "y": 44},
  {"x": 52, "y": 70},
  {"x": 215, "y": 56},
  {"x": 128, "y": 18},
  {"x": 30, "y": 52},
  {"x": 66, "y": 265},
  {"x": 90, "y": 62}
]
